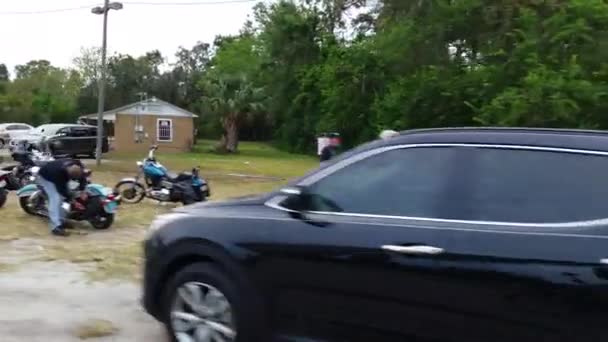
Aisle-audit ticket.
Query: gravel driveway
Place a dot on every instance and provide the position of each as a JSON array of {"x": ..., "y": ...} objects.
[{"x": 52, "y": 301}]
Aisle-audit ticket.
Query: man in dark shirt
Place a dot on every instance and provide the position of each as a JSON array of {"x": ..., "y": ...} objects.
[{"x": 54, "y": 177}]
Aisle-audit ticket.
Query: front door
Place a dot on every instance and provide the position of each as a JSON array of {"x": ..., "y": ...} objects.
[
  {"x": 82, "y": 141},
  {"x": 366, "y": 259},
  {"x": 526, "y": 261},
  {"x": 62, "y": 143}
]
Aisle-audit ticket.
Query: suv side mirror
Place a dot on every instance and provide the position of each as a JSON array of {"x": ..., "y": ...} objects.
[
  {"x": 293, "y": 190},
  {"x": 297, "y": 198},
  {"x": 301, "y": 199}
]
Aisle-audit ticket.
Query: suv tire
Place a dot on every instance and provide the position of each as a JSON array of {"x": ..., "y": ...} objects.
[{"x": 246, "y": 309}]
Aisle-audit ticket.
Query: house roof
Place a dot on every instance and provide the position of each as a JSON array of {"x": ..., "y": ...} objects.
[{"x": 151, "y": 106}]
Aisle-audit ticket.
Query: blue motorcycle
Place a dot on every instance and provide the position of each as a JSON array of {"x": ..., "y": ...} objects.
[
  {"x": 159, "y": 184},
  {"x": 98, "y": 209}
]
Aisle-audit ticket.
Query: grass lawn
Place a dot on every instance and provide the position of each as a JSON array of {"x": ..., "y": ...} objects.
[{"x": 115, "y": 253}]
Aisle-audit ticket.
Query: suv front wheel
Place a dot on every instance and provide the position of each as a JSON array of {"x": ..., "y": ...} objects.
[{"x": 202, "y": 303}]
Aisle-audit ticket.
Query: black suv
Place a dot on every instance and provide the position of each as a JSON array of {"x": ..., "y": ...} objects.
[
  {"x": 434, "y": 235},
  {"x": 64, "y": 139}
]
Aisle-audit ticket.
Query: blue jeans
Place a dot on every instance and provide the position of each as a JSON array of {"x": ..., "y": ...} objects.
[{"x": 54, "y": 202}]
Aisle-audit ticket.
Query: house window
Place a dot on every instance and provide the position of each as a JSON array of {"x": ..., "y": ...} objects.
[{"x": 164, "y": 130}]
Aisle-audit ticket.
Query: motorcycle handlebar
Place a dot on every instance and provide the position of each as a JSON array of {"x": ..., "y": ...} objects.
[{"x": 151, "y": 152}]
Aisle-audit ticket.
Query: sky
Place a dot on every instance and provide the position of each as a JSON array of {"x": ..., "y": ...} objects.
[{"x": 136, "y": 29}]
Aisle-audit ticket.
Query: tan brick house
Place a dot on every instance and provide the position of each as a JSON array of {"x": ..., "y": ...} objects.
[{"x": 137, "y": 126}]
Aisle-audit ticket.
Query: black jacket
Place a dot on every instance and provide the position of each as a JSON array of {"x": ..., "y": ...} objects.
[
  {"x": 328, "y": 153},
  {"x": 56, "y": 172}
]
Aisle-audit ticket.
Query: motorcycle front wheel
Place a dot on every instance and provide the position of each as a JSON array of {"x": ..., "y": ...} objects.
[
  {"x": 27, "y": 206},
  {"x": 102, "y": 221},
  {"x": 130, "y": 192}
]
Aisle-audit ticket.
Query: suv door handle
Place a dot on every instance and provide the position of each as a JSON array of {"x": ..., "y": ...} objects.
[{"x": 414, "y": 250}]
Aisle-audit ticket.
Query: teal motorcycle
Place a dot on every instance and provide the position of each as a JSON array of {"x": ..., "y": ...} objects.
[{"x": 98, "y": 208}]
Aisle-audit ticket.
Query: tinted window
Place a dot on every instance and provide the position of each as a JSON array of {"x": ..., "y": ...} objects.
[
  {"x": 538, "y": 186},
  {"x": 59, "y": 131},
  {"x": 12, "y": 127},
  {"x": 23, "y": 127},
  {"x": 79, "y": 132},
  {"x": 405, "y": 182}
]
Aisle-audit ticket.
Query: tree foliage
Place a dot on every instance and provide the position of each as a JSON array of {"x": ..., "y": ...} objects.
[{"x": 302, "y": 67}]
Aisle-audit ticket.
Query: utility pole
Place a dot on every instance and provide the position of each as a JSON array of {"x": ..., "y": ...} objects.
[
  {"x": 102, "y": 81},
  {"x": 143, "y": 97}
]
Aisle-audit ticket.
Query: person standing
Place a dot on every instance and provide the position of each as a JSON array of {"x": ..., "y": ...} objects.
[
  {"x": 332, "y": 148},
  {"x": 54, "y": 178}
]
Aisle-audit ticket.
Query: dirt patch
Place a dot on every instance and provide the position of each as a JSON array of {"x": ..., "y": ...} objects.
[
  {"x": 96, "y": 328},
  {"x": 4, "y": 267},
  {"x": 53, "y": 301}
]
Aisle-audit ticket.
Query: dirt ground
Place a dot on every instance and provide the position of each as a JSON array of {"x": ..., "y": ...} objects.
[{"x": 52, "y": 301}]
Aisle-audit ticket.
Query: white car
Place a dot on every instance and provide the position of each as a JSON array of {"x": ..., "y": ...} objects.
[{"x": 11, "y": 131}]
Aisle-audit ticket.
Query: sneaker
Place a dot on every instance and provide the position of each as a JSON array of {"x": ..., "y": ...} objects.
[{"x": 60, "y": 232}]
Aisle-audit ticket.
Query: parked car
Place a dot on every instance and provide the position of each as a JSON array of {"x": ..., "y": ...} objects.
[
  {"x": 438, "y": 235},
  {"x": 64, "y": 139},
  {"x": 10, "y": 131}
]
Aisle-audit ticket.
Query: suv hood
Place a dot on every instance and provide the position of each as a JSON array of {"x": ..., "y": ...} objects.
[{"x": 234, "y": 202}]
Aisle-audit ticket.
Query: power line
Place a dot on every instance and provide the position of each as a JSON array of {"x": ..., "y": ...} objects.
[
  {"x": 56, "y": 10},
  {"x": 191, "y": 3},
  {"x": 148, "y": 3}
]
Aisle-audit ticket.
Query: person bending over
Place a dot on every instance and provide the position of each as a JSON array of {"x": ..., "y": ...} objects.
[{"x": 54, "y": 177}]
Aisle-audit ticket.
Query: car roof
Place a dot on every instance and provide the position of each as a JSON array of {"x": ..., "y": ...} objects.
[
  {"x": 594, "y": 140},
  {"x": 13, "y": 123},
  {"x": 58, "y": 126},
  {"x": 548, "y": 137}
]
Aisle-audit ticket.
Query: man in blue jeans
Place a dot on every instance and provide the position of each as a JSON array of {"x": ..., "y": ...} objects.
[{"x": 54, "y": 177}]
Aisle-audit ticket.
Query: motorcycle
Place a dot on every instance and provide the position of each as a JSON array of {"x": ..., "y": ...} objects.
[
  {"x": 98, "y": 208},
  {"x": 3, "y": 189},
  {"x": 161, "y": 185},
  {"x": 29, "y": 160}
]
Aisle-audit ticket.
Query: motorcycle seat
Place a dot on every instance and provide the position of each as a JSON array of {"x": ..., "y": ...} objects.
[{"x": 180, "y": 177}]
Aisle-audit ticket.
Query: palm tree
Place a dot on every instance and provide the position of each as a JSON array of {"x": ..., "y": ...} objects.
[{"x": 233, "y": 99}]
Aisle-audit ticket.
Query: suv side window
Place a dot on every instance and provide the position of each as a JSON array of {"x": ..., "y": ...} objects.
[
  {"x": 405, "y": 182},
  {"x": 79, "y": 132},
  {"x": 65, "y": 130},
  {"x": 532, "y": 186}
]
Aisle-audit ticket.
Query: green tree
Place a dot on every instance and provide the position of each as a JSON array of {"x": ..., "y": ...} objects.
[
  {"x": 42, "y": 93},
  {"x": 233, "y": 100},
  {"x": 4, "y": 74}
]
